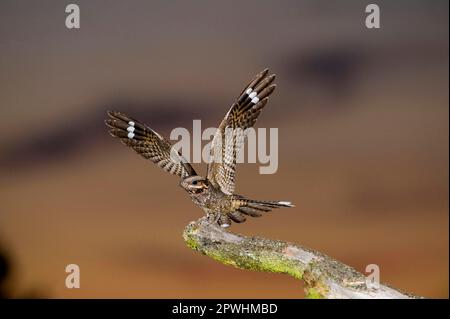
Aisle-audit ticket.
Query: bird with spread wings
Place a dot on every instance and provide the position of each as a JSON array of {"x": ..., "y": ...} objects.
[{"x": 215, "y": 192}]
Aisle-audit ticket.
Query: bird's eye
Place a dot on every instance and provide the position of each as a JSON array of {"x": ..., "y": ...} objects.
[{"x": 194, "y": 183}]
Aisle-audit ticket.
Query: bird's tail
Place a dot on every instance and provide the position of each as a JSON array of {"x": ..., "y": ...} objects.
[
  {"x": 254, "y": 208},
  {"x": 265, "y": 205}
]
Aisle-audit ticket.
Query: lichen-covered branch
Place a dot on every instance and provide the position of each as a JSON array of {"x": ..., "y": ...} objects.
[{"x": 323, "y": 276}]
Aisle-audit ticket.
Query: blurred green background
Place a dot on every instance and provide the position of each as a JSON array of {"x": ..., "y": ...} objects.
[{"x": 363, "y": 125}]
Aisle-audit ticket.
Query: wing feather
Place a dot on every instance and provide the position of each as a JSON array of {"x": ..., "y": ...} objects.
[
  {"x": 148, "y": 143},
  {"x": 229, "y": 138}
]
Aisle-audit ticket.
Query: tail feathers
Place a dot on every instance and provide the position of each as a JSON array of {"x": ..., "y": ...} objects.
[
  {"x": 268, "y": 204},
  {"x": 246, "y": 207},
  {"x": 256, "y": 208}
]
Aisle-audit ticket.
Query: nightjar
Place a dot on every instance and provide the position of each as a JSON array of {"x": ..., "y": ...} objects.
[{"x": 215, "y": 192}]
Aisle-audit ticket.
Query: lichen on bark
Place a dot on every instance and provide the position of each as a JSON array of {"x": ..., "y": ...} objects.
[{"x": 323, "y": 276}]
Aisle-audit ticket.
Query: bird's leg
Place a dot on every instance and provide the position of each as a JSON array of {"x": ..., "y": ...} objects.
[
  {"x": 209, "y": 216},
  {"x": 213, "y": 218}
]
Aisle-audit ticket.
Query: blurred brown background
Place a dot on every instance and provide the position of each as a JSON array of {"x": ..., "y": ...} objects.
[{"x": 363, "y": 124}]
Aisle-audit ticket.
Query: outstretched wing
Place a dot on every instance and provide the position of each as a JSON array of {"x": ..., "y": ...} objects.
[
  {"x": 229, "y": 137},
  {"x": 148, "y": 144}
]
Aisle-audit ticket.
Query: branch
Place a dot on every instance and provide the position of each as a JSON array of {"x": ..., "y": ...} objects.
[{"x": 323, "y": 276}]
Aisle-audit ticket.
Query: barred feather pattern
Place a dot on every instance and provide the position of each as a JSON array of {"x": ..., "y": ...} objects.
[
  {"x": 148, "y": 144},
  {"x": 254, "y": 208},
  {"x": 230, "y": 136}
]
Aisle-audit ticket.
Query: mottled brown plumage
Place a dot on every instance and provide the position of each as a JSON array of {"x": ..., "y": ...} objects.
[{"x": 215, "y": 193}]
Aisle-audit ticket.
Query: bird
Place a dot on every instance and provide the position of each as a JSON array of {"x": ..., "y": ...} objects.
[{"x": 214, "y": 193}]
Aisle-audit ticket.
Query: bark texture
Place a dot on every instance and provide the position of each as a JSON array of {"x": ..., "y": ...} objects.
[{"x": 323, "y": 276}]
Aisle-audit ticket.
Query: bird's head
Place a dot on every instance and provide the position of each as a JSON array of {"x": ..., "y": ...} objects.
[{"x": 195, "y": 184}]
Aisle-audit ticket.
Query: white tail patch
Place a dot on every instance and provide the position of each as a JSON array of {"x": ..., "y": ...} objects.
[{"x": 286, "y": 204}]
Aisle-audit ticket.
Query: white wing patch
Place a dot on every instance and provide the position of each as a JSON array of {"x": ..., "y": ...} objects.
[
  {"x": 229, "y": 139},
  {"x": 130, "y": 129}
]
